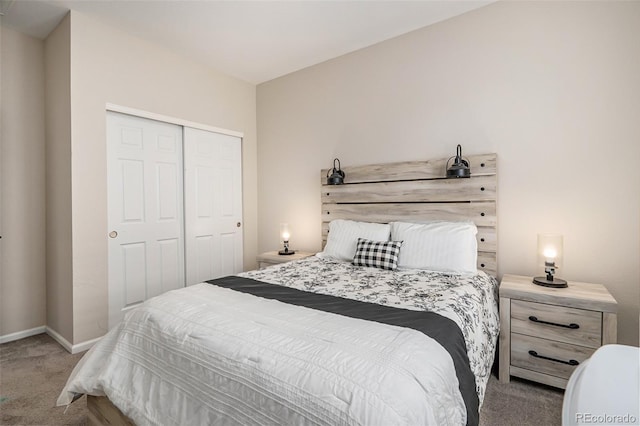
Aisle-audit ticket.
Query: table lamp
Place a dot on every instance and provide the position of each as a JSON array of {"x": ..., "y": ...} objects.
[
  {"x": 550, "y": 254},
  {"x": 284, "y": 236}
]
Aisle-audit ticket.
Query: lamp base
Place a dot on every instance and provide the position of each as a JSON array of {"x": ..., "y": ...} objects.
[
  {"x": 556, "y": 283},
  {"x": 286, "y": 252}
]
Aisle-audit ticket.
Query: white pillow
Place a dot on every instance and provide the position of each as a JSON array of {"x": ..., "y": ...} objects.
[
  {"x": 344, "y": 234},
  {"x": 437, "y": 246}
]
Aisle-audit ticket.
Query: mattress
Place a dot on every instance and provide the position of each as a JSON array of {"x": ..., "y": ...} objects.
[{"x": 207, "y": 354}]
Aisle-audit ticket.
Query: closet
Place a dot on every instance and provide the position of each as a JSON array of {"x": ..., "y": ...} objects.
[{"x": 175, "y": 208}]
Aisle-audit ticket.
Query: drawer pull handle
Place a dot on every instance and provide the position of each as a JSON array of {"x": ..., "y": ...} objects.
[
  {"x": 570, "y": 362},
  {"x": 572, "y": 326}
]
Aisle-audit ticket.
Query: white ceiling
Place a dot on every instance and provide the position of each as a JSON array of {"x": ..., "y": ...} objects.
[{"x": 255, "y": 41}]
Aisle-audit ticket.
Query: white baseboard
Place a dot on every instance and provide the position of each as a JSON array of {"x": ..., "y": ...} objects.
[
  {"x": 84, "y": 346},
  {"x": 22, "y": 334},
  {"x": 58, "y": 338},
  {"x": 74, "y": 349}
]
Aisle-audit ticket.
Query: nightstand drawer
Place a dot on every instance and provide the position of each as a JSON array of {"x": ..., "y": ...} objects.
[
  {"x": 546, "y": 356},
  {"x": 569, "y": 325}
]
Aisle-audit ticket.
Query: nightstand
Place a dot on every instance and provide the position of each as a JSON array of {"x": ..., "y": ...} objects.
[
  {"x": 273, "y": 258},
  {"x": 546, "y": 332}
]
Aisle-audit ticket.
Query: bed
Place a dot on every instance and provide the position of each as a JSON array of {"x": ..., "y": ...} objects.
[{"x": 327, "y": 339}]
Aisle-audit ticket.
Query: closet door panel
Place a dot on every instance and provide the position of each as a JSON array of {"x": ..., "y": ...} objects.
[
  {"x": 213, "y": 205},
  {"x": 145, "y": 217}
]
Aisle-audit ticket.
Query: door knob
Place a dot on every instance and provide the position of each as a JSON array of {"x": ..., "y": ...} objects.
[
  {"x": 113, "y": 234},
  {"x": 238, "y": 224}
]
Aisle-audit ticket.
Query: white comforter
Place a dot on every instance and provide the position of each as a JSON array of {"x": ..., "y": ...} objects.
[
  {"x": 469, "y": 300},
  {"x": 208, "y": 355}
]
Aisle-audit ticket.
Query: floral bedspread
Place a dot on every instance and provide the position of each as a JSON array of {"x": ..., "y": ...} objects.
[{"x": 469, "y": 300}]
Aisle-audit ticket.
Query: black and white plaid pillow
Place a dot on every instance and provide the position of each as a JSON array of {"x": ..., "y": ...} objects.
[{"x": 378, "y": 254}]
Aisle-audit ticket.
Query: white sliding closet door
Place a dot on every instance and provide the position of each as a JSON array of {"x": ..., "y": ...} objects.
[
  {"x": 145, "y": 202},
  {"x": 213, "y": 204}
]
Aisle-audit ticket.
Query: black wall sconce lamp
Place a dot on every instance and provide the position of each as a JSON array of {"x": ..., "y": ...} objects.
[
  {"x": 460, "y": 167},
  {"x": 335, "y": 176}
]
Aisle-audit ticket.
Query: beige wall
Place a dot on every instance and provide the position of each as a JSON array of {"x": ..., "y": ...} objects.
[
  {"x": 22, "y": 199},
  {"x": 109, "y": 66},
  {"x": 58, "y": 180},
  {"x": 551, "y": 87}
]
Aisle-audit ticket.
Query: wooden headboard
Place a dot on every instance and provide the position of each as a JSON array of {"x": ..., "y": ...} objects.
[{"x": 418, "y": 191}]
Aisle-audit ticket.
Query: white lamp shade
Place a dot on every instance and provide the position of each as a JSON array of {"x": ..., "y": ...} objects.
[
  {"x": 550, "y": 249},
  {"x": 284, "y": 232}
]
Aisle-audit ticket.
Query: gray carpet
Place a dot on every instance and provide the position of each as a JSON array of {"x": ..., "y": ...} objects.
[
  {"x": 521, "y": 403},
  {"x": 34, "y": 370}
]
